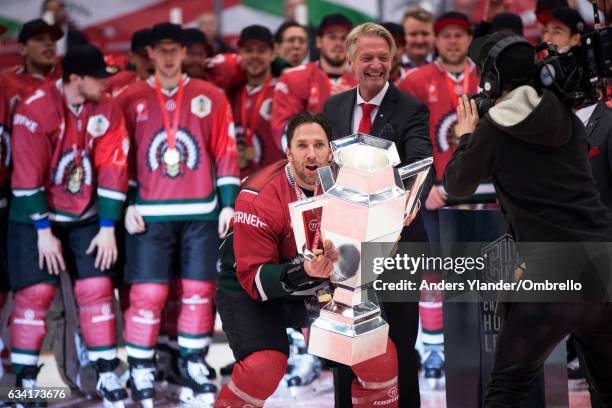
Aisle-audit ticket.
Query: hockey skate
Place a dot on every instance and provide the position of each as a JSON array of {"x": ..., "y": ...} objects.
[
  {"x": 302, "y": 368},
  {"x": 142, "y": 382},
  {"x": 109, "y": 386},
  {"x": 27, "y": 379},
  {"x": 433, "y": 367},
  {"x": 197, "y": 381}
]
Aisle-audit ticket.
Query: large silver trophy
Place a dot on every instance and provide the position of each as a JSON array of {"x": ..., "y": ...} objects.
[{"x": 365, "y": 199}]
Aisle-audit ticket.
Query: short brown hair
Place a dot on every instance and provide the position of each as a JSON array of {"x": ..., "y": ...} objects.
[
  {"x": 304, "y": 118},
  {"x": 368, "y": 30},
  {"x": 418, "y": 13}
]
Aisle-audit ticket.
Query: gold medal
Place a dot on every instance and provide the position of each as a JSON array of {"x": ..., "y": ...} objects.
[
  {"x": 246, "y": 154},
  {"x": 250, "y": 153},
  {"x": 76, "y": 180}
]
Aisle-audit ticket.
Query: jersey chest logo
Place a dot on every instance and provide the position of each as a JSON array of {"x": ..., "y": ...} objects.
[
  {"x": 97, "y": 125},
  {"x": 66, "y": 169},
  {"x": 446, "y": 135},
  {"x": 187, "y": 147},
  {"x": 142, "y": 113},
  {"x": 201, "y": 106},
  {"x": 266, "y": 109}
]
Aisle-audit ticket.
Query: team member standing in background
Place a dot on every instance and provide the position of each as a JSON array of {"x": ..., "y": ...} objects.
[
  {"x": 185, "y": 179},
  {"x": 307, "y": 87},
  {"x": 69, "y": 182}
]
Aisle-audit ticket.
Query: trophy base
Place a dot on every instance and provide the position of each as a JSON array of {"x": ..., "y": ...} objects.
[{"x": 348, "y": 344}]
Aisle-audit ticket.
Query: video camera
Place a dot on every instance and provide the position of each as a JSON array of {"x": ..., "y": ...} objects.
[{"x": 579, "y": 77}]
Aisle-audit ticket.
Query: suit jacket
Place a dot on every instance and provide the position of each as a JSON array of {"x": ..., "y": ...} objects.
[
  {"x": 599, "y": 131},
  {"x": 401, "y": 118}
]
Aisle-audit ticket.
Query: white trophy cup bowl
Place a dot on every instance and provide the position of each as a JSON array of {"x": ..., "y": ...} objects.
[{"x": 365, "y": 199}]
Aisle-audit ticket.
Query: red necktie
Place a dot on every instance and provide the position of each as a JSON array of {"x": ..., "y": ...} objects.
[{"x": 365, "y": 124}]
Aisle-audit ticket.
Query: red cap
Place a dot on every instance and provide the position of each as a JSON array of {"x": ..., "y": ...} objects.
[{"x": 452, "y": 18}]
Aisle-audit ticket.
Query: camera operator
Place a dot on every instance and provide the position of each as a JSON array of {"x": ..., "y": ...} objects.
[{"x": 544, "y": 183}]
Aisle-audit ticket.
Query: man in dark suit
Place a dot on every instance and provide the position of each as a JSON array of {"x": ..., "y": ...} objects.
[
  {"x": 378, "y": 108},
  {"x": 599, "y": 131}
]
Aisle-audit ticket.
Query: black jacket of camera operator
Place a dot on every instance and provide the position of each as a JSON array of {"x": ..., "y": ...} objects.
[{"x": 534, "y": 149}]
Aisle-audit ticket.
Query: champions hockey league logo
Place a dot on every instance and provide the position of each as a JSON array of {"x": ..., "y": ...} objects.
[
  {"x": 501, "y": 259},
  {"x": 445, "y": 132},
  {"x": 67, "y": 165},
  {"x": 5, "y": 147},
  {"x": 185, "y": 144}
]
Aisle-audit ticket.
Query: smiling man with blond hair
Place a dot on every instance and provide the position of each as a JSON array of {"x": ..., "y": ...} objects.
[{"x": 378, "y": 108}]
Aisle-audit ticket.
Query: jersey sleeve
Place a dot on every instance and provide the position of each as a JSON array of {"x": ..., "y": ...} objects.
[
  {"x": 222, "y": 147},
  {"x": 256, "y": 244},
  {"x": 129, "y": 116},
  {"x": 5, "y": 152},
  {"x": 110, "y": 161},
  {"x": 224, "y": 71},
  {"x": 31, "y": 156},
  {"x": 287, "y": 102}
]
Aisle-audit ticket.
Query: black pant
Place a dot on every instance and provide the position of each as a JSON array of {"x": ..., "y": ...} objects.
[{"x": 529, "y": 334}]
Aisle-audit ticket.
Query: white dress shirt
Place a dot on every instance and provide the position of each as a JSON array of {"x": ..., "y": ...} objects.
[{"x": 377, "y": 100}]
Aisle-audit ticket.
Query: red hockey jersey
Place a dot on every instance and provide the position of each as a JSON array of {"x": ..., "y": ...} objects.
[
  {"x": 252, "y": 110},
  {"x": 439, "y": 91},
  {"x": 5, "y": 146},
  {"x": 46, "y": 135},
  {"x": 263, "y": 241},
  {"x": 303, "y": 88},
  {"x": 205, "y": 177},
  {"x": 18, "y": 83}
]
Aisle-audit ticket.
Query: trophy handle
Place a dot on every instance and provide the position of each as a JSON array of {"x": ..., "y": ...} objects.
[
  {"x": 413, "y": 178},
  {"x": 296, "y": 211}
]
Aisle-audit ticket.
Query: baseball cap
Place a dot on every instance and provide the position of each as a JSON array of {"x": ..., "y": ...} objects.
[
  {"x": 255, "y": 32},
  {"x": 566, "y": 16},
  {"x": 516, "y": 64},
  {"x": 452, "y": 18},
  {"x": 547, "y": 6},
  {"x": 39, "y": 26},
  {"x": 194, "y": 36},
  {"x": 397, "y": 32},
  {"x": 87, "y": 60},
  {"x": 507, "y": 22},
  {"x": 335, "y": 20},
  {"x": 140, "y": 39},
  {"x": 167, "y": 32}
]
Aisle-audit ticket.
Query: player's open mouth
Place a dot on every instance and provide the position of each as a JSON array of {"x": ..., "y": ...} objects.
[{"x": 312, "y": 167}]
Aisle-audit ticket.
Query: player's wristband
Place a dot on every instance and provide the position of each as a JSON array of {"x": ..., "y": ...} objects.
[
  {"x": 105, "y": 222},
  {"x": 43, "y": 223},
  {"x": 295, "y": 278}
]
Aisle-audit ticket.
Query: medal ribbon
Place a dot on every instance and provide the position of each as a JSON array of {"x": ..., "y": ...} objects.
[
  {"x": 76, "y": 136},
  {"x": 300, "y": 195},
  {"x": 450, "y": 84},
  {"x": 170, "y": 132},
  {"x": 250, "y": 128}
]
